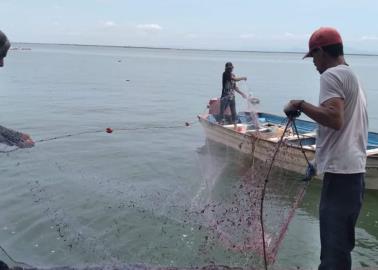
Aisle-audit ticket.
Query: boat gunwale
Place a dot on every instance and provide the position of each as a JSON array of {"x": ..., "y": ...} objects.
[{"x": 369, "y": 152}]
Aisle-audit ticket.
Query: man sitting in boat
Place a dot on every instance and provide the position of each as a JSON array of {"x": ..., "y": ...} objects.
[
  {"x": 228, "y": 93},
  {"x": 8, "y": 136}
]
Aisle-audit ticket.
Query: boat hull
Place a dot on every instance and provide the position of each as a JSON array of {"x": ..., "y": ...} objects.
[{"x": 263, "y": 148}]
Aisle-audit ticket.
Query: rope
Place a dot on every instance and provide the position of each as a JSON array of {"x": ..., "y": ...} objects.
[
  {"x": 266, "y": 182},
  {"x": 108, "y": 130},
  {"x": 9, "y": 151},
  {"x": 300, "y": 143},
  {"x": 263, "y": 194}
]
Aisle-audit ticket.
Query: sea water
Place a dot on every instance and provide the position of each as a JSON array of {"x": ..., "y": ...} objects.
[{"x": 124, "y": 197}]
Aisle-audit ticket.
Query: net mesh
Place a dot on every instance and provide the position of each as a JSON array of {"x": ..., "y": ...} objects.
[
  {"x": 233, "y": 217},
  {"x": 218, "y": 224}
]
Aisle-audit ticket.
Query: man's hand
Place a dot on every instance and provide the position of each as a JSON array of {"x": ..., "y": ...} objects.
[
  {"x": 293, "y": 108},
  {"x": 25, "y": 141},
  {"x": 310, "y": 172}
]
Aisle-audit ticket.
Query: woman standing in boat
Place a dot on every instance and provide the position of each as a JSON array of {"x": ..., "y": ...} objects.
[{"x": 228, "y": 92}]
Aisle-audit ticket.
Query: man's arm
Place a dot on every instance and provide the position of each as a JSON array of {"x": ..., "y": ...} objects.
[
  {"x": 12, "y": 137},
  {"x": 330, "y": 113}
]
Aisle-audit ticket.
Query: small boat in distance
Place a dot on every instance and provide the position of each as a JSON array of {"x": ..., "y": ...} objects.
[{"x": 258, "y": 135}]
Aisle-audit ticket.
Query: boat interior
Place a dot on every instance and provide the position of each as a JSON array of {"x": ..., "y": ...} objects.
[{"x": 271, "y": 127}]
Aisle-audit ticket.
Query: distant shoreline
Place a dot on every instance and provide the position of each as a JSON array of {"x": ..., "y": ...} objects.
[{"x": 181, "y": 49}]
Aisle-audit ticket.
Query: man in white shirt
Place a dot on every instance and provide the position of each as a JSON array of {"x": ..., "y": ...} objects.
[{"x": 340, "y": 146}]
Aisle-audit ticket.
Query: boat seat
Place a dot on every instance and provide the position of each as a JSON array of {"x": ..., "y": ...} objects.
[
  {"x": 372, "y": 152},
  {"x": 294, "y": 137}
]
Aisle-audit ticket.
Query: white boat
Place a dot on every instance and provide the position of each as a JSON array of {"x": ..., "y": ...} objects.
[{"x": 261, "y": 141}]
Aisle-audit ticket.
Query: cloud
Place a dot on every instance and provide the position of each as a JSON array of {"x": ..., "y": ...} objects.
[
  {"x": 289, "y": 36},
  {"x": 286, "y": 36},
  {"x": 108, "y": 24},
  {"x": 369, "y": 38},
  {"x": 73, "y": 33},
  {"x": 57, "y": 7},
  {"x": 150, "y": 28},
  {"x": 191, "y": 36},
  {"x": 247, "y": 36}
]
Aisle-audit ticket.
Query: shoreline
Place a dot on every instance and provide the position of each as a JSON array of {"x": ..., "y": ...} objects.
[{"x": 181, "y": 49}]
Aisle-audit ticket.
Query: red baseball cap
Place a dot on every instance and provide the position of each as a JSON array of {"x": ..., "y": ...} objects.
[{"x": 324, "y": 36}]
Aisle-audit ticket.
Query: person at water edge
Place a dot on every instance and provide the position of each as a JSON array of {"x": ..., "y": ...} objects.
[
  {"x": 340, "y": 146},
  {"x": 9, "y": 136},
  {"x": 228, "y": 92}
]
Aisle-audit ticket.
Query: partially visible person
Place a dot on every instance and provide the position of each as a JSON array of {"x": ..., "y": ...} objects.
[
  {"x": 340, "y": 146},
  {"x": 4, "y": 47},
  {"x": 3, "y": 266},
  {"x": 228, "y": 92},
  {"x": 9, "y": 136}
]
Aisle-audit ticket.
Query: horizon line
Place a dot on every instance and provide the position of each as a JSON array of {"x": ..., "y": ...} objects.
[{"x": 179, "y": 49}]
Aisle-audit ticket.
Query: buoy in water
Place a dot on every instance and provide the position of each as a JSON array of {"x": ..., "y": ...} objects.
[{"x": 109, "y": 130}]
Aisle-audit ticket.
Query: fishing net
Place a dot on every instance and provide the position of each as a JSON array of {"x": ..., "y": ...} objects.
[
  {"x": 212, "y": 220},
  {"x": 233, "y": 216}
]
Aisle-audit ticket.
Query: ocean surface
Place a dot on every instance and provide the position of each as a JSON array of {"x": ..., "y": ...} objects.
[{"x": 82, "y": 196}]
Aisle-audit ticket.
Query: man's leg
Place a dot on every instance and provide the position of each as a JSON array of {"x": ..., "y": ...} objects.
[
  {"x": 233, "y": 111},
  {"x": 223, "y": 106},
  {"x": 340, "y": 205}
]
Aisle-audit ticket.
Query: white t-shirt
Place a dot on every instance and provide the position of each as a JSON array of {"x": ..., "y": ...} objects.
[{"x": 343, "y": 151}]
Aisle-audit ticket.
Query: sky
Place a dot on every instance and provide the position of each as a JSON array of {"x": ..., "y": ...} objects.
[{"x": 263, "y": 25}]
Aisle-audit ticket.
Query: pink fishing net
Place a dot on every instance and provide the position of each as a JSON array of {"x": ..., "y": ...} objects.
[{"x": 233, "y": 217}]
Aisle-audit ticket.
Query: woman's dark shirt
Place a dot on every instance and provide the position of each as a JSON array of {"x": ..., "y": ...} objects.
[{"x": 228, "y": 84}]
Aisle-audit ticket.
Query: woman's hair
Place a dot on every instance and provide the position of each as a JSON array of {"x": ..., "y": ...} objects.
[{"x": 228, "y": 67}]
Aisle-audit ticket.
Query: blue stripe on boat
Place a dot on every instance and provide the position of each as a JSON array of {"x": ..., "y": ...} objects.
[{"x": 303, "y": 126}]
